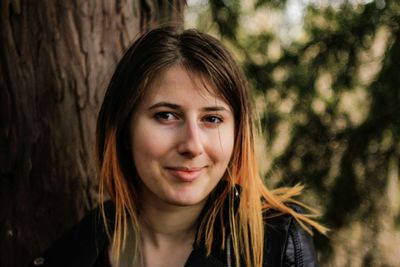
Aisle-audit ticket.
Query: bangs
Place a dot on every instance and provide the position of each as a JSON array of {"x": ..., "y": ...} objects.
[{"x": 216, "y": 84}]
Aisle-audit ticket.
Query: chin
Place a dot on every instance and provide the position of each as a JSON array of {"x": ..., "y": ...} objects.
[{"x": 187, "y": 200}]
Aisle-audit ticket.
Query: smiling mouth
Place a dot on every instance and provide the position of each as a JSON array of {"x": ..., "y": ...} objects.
[{"x": 186, "y": 174}]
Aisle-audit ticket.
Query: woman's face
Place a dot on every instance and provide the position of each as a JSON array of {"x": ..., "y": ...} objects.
[{"x": 181, "y": 138}]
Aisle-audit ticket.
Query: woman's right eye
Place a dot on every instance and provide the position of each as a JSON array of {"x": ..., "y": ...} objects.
[{"x": 165, "y": 116}]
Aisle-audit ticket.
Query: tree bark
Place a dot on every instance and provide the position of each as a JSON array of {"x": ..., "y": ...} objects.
[{"x": 56, "y": 59}]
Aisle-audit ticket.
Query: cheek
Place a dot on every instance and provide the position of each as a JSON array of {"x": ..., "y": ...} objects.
[
  {"x": 147, "y": 145},
  {"x": 222, "y": 147}
]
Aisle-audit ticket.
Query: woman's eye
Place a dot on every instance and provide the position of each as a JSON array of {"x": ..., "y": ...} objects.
[
  {"x": 213, "y": 119},
  {"x": 165, "y": 116}
]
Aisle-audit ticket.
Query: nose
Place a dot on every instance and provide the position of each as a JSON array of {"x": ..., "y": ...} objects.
[{"x": 190, "y": 144}]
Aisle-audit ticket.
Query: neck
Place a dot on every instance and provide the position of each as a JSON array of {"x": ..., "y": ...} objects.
[{"x": 163, "y": 223}]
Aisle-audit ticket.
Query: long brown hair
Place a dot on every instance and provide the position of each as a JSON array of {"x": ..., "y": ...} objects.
[{"x": 203, "y": 55}]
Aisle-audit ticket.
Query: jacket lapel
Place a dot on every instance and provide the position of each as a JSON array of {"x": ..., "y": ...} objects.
[{"x": 199, "y": 258}]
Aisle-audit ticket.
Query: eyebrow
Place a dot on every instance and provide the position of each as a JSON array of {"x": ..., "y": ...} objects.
[{"x": 175, "y": 106}]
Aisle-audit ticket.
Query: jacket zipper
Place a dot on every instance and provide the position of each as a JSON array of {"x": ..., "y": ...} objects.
[
  {"x": 297, "y": 246},
  {"x": 228, "y": 251}
]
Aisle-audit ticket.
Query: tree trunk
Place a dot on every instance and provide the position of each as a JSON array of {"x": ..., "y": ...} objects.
[{"x": 56, "y": 60}]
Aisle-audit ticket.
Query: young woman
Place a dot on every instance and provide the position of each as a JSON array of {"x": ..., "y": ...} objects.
[{"x": 175, "y": 143}]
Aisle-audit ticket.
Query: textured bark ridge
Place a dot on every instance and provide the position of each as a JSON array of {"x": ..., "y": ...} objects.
[{"x": 56, "y": 60}]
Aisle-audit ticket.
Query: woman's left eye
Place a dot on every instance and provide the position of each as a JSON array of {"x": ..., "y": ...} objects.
[{"x": 213, "y": 119}]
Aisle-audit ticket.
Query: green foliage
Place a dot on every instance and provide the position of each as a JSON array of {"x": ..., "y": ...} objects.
[
  {"x": 226, "y": 15},
  {"x": 270, "y": 3}
]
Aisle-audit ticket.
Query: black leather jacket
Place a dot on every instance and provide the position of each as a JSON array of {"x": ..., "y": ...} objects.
[{"x": 285, "y": 244}]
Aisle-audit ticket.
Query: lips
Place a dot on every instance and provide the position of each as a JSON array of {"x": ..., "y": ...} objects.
[{"x": 186, "y": 174}]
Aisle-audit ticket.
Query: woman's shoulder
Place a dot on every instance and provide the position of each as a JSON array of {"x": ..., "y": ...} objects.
[
  {"x": 80, "y": 245},
  {"x": 286, "y": 243}
]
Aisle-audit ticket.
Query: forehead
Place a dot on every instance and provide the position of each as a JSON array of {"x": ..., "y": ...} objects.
[{"x": 178, "y": 84}]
